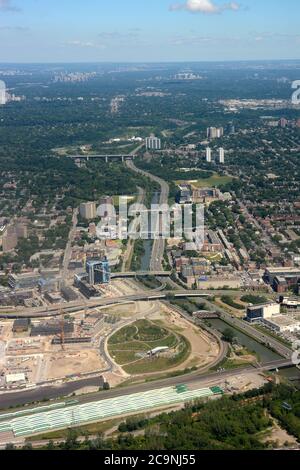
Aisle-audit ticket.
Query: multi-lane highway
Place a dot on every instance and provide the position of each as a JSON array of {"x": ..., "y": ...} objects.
[
  {"x": 77, "y": 306},
  {"x": 68, "y": 250},
  {"x": 55, "y": 393},
  {"x": 158, "y": 247}
]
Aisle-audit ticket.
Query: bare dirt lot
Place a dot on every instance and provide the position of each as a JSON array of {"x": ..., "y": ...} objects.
[
  {"x": 204, "y": 349},
  {"x": 64, "y": 363}
]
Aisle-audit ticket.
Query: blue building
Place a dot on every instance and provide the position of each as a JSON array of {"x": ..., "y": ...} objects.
[{"x": 98, "y": 271}]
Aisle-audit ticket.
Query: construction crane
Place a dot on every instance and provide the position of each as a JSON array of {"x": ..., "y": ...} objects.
[{"x": 62, "y": 331}]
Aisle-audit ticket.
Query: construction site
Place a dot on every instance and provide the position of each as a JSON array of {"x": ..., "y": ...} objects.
[
  {"x": 74, "y": 347},
  {"x": 37, "y": 352}
]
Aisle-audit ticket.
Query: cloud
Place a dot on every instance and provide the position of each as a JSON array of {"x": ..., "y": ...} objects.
[
  {"x": 7, "y": 5},
  {"x": 193, "y": 40},
  {"x": 84, "y": 44},
  {"x": 15, "y": 28},
  {"x": 111, "y": 36},
  {"x": 209, "y": 7}
]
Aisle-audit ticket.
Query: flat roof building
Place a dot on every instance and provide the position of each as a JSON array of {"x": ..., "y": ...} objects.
[
  {"x": 24, "y": 281},
  {"x": 21, "y": 325},
  {"x": 283, "y": 324},
  {"x": 260, "y": 312}
]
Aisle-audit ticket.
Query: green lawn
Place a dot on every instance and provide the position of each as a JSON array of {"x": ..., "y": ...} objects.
[
  {"x": 214, "y": 181},
  {"x": 129, "y": 346}
]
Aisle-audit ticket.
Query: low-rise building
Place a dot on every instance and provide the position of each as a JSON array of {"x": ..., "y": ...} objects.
[
  {"x": 24, "y": 281},
  {"x": 21, "y": 325},
  {"x": 264, "y": 311},
  {"x": 283, "y": 324}
]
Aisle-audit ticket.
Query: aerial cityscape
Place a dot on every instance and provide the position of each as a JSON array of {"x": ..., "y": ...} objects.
[{"x": 150, "y": 227}]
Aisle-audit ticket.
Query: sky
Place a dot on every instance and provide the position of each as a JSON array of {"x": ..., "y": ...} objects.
[{"x": 148, "y": 30}]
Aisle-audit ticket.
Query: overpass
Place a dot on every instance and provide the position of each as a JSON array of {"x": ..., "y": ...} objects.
[
  {"x": 141, "y": 274},
  {"x": 105, "y": 157},
  {"x": 77, "y": 306}
]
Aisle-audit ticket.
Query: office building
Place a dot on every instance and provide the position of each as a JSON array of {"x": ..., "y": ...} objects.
[
  {"x": 88, "y": 210},
  {"x": 24, "y": 281},
  {"x": 88, "y": 291},
  {"x": 283, "y": 324},
  {"x": 208, "y": 154},
  {"x": 98, "y": 271},
  {"x": 221, "y": 155},
  {"x": 261, "y": 312},
  {"x": 3, "y": 97},
  {"x": 153, "y": 143}
]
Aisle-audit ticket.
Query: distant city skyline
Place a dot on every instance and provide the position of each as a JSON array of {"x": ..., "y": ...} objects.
[{"x": 151, "y": 31}]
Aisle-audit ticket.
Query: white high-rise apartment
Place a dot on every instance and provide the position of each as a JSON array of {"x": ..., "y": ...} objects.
[
  {"x": 88, "y": 210},
  {"x": 153, "y": 143},
  {"x": 215, "y": 132},
  {"x": 221, "y": 155},
  {"x": 3, "y": 99},
  {"x": 208, "y": 155}
]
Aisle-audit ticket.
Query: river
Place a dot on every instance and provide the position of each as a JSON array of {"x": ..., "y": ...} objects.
[{"x": 265, "y": 354}]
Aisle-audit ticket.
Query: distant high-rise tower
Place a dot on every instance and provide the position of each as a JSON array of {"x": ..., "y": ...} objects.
[
  {"x": 88, "y": 210},
  {"x": 153, "y": 143},
  {"x": 3, "y": 98},
  {"x": 221, "y": 155},
  {"x": 208, "y": 155},
  {"x": 98, "y": 271},
  {"x": 215, "y": 132},
  {"x": 283, "y": 123}
]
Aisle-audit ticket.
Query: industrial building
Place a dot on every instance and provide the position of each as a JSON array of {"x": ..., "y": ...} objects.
[
  {"x": 21, "y": 325},
  {"x": 52, "y": 328},
  {"x": 282, "y": 279}
]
